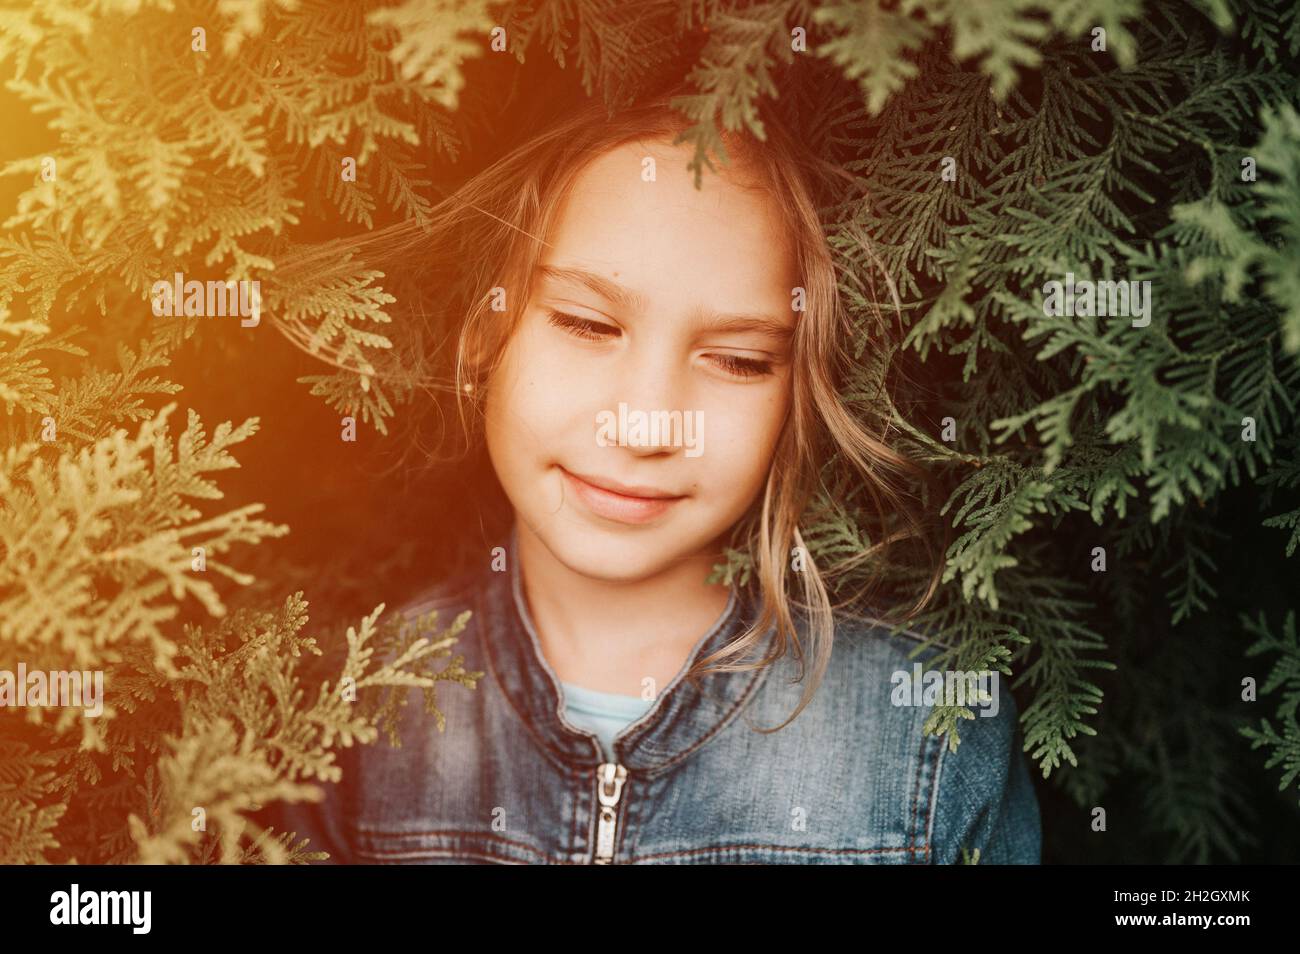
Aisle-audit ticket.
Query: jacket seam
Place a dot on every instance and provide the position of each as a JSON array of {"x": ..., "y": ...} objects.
[
  {"x": 556, "y": 757},
  {"x": 395, "y": 856},
  {"x": 754, "y": 683},
  {"x": 916, "y": 795},
  {"x": 923, "y": 761},
  {"x": 715, "y": 849},
  {"x": 451, "y": 832},
  {"x": 572, "y": 841},
  {"x": 939, "y": 763}
]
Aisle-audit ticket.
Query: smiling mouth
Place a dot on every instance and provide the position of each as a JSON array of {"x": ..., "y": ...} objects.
[{"x": 631, "y": 508}]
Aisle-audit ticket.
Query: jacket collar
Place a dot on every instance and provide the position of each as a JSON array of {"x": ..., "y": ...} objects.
[{"x": 685, "y": 716}]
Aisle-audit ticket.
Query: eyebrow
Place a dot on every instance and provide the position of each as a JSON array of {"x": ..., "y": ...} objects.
[{"x": 629, "y": 300}]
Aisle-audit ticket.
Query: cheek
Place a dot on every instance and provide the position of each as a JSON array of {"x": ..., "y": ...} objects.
[
  {"x": 536, "y": 395},
  {"x": 741, "y": 437},
  {"x": 506, "y": 407}
]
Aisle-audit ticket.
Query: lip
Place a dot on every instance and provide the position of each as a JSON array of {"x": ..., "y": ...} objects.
[{"x": 623, "y": 503}]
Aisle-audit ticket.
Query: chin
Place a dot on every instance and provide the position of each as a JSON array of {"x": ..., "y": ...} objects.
[{"x": 614, "y": 554}]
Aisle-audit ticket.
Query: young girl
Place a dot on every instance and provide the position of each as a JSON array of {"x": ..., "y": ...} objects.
[{"x": 656, "y": 373}]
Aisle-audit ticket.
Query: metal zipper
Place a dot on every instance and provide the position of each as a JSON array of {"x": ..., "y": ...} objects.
[{"x": 609, "y": 789}]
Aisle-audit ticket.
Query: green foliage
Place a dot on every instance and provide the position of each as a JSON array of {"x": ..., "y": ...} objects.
[
  {"x": 98, "y": 547},
  {"x": 116, "y": 510},
  {"x": 1285, "y": 675},
  {"x": 1260, "y": 237},
  {"x": 240, "y": 723}
]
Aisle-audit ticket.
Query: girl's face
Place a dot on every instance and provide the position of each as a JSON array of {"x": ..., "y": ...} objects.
[{"x": 652, "y": 358}]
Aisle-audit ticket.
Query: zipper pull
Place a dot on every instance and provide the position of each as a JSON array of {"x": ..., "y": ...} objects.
[{"x": 609, "y": 789}]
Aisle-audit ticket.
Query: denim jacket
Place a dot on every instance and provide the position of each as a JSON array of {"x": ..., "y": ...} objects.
[{"x": 852, "y": 780}]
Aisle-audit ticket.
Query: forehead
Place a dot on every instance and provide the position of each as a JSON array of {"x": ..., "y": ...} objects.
[{"x": 721, "y": 245}]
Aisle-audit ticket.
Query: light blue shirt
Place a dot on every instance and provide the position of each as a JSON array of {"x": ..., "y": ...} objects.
[{"x": 604, "y": 713}]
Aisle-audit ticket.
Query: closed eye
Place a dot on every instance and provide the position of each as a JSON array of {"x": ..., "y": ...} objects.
[
  {"x": 590, "y": 330},
  {"x": 583, "y": 327}
]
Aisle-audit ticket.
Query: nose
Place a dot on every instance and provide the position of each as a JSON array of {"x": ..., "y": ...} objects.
[{"x": 647, "y": 393}]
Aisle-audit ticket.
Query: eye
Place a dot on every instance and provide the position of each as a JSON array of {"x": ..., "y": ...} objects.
[
  {"x": 743, "y": 367},
  {"x": 582, "y": 327},
  {"x": 590, "y": 330}
]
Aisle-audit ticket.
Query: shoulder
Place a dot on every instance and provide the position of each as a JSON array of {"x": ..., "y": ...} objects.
[
  {"x": 445, "y": 608},
  {"x": 978, "y": 788},
  {"x": 453, "y": 593},
  {"x": 329, "y": 823},
  {"x": 870, "y": 654}
]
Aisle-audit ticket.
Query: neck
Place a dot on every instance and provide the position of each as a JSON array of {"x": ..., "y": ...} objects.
[{"x": 612, "y": 635}]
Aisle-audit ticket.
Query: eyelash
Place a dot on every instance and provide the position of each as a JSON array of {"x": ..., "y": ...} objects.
[{"x": 583, "y": 328}]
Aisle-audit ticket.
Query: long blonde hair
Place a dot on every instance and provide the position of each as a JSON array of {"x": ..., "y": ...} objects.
[{"x": 490, "y": 233}]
